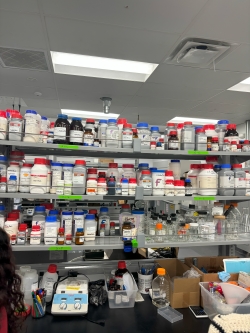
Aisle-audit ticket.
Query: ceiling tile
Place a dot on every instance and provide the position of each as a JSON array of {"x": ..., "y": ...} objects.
[
  {"x": 195, "y": 77},
  {"x": 105, "y": 40},
  {"x": 176, "y": 92},
  {"x": 19, "y": 30},
  {"x": 225, "y": 20},
  {"x": 20, "y": 5},
  {"x": 220, "y": 110},
  {"x": 97, "y": 87},
  {"x": 238, "y": 60},
  {"x": 159, "y": 15},
  {"x": 232, "y": 97}
]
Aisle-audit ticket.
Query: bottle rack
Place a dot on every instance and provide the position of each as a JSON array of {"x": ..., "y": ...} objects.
[{"x": 136, "y": 153}]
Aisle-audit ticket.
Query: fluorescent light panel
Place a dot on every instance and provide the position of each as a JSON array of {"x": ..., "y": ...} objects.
[
  {"x": 89, "y": 114},
  {"x": 107, "y": 68},
  {"x": 241, "y": 86},
  {"x": 195, "y": 121}
]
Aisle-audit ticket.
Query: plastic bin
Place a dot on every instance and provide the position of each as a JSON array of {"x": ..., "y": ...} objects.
[
  {"x": 170, "y": 314},
  {"x": 122, "y": 298},
  {"x": 212, "y": 307}
]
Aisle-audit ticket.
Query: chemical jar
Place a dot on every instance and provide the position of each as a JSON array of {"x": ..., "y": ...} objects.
[
  {"x": 35, "y": 235},
  {"x": 76, "y": 131},
  {"x": 239, "y": 180},
  {"x": 78, "y": 220},
  {"x": 146, "y": 182},
  {"x": 16, "y": 127},
  {"x": 207, "y": 180},
  {"x": 139, "y": 218},
  {"x": 221, "y": 129},
  {"x": 102, "y": 186},
  {"x": 200, "y": 140},
  {"x": 13, "y": 170},
  {"x": 158, "y": 180},
  {"x": 91, "y": 186},
  {"x": 124, "y": 186},
  {"x": 179, "y": 188},
  {"x": 132, "y": 184},
  {"x": 92, "y": 173},
  {"x": 3, "y": 125},
  {"x": 193, "y": 176},
  {"x": 155, "y": 134},
  {"x": 112, "y": 134},
  {"x": 127, "y": 136},
  {"x": 231, "y": 133},
  {"x": 187, "y": 136},
  {"x": 103, "y": 123},
  {"x": 17, "y": 156},
  {"x": 169, "y": 127},
  {"x": 32, "y": 126},
  {"x": 173, "y": 141},
  {"x": 128, "y": 171},
  {"x": 56, "y": 174},
  {"x": 61, "y": 129},
  {"x": 3, "y": 166},
  {"x": 79, "y": 236},
  {"x": 175, "y": 166},
  {"x": 79, "y": 177},
  {"x": 144, "y": 135},
  {"x": 89, "y": 133},
  {"x": 226, "y": 180},
  {"x": 67, "y": 169},
  {"x": 121, "y": 124},
  {"x": 90, "y": 227},
  {"x": 113, "y": 171},
  {"x": 67, "y": 222},
  {"x": 38, "y": 177},
  {"x": 25, "y": 173},
  {"x": 50, "y": 230},
  {"x": 169, "y": 187},
  {"x": 141, "y": 167},
  {"x": 60, "y": 187}
]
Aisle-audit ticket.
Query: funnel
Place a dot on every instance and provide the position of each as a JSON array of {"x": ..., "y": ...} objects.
[{"x": 234, "y": 294}]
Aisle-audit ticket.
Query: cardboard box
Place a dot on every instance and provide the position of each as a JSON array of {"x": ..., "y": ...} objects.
[
  {"x": 244, "y": 279},
  {"x": 183, "y": 291},
  {"x": 213, "y": 265}
]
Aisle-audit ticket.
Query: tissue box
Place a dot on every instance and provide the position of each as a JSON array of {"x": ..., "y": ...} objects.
[{"x": 244, "y": 279}]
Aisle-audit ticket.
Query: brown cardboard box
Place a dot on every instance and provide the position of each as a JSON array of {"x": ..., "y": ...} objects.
[
  {"x": 184, "y": 291},
  {"x": 213, "y": 265}
]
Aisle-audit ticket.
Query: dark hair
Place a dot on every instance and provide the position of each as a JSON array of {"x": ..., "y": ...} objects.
[{"x": 11, "y": 297}]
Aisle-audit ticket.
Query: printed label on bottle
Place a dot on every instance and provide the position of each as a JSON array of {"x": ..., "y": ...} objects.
[
  {"x": 24, "y": 177},
  {"x": 226, "y": 147},
  {"x": 60, "y": 133},
  {"x": 155, "y": 138},
  {"x": 78, "y": 178},
  {"x": 173, "y": 144},
  {"x": 215, "y": 147},
  {"x": 207, "y": 182},
  {"x": 56, "y": 175},
  {"x": 239, "y": 182},
  {"x": 75, "y": 136},
  {"x": 41, "y": 224},
  {"x": 152, "y": 232},
  {"x": 188, "y": 191},
  {"x": 31, "y": 126},
  {"x": 112, "y": 134},
  {"x": 146, "y": 183},
  {"x": 15, "y": 127},
  {"x": 60, "y": 239},
  {"x": 67, "y": 224},
  {"x": 67, "y": 176},
  {"x": 81, "y": 239},
  {"x": 145, "y": 138},
  {"x": 88, "y": 140},
  {"x": 201, "y": 139},
  {"x": 186, "y": 136},
  {"x": 38, "y": 180},
  {"x": 227, "y": 181},
  {"x": 126, "y": 232},
  {"x": 127, "y": 137},
  {"x": 48, "y": 286}
]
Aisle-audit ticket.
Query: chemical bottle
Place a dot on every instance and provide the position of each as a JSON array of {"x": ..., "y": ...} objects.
[
  {"x": 39, "y": 219},
  {"x": 111, "y": 186},
  {"x": 125, "y": 215},
  {"x": 122, "y": 269},
  {"x": 48, "y": 281},
  {"x": 79, "y": 177},
  {"x": 104, "y": 218},
  {"x": 160, "y": 288}
]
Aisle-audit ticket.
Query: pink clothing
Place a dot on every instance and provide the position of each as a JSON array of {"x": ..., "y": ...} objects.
[{"x": 3, "y": 321}]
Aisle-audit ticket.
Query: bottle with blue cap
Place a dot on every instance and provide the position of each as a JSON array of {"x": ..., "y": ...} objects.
[
  {"x": 76, "y": 131},
  {"x": 141, "y": 166},
  {"x": 39, "y": 219},
  {"x": 32, "y": 126},
  {"x": 50, "y": 230},
  {"x": 221, "y": 129},
  {"x": 90, "y": 227},
  {"x": 155, "y": 134},
  {"x": 61, "y": 129},
  {"x": 112, "y": 134},
  {"x": 102, "y": 127},
  {"x": 144, "y": 135},
  {"x": 226, "y": 180},
  {"x": 104, "y": 218},
  {"x": 12, "y": 184}
]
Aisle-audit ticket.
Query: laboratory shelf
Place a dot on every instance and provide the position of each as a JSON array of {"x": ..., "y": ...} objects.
[{"x": 135, "y": 152}]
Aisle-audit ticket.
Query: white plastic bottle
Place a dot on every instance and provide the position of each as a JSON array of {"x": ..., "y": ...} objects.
[
  {"x": 3, "y": 125},
  {"x": 104, "y": 218},
  {"x": 79, "y": 177},
  {"x": 39, "y": 218},
  {"x": 48, "y": 183},
  {"x": 38, "y": 177},
  {"x": 50, "y": 230},
  {"x": 49, "y": 279},
  {"x": 89, "y": 227},
  {"x": 207, "y": 180},
  {"x": 30, "y": 283},
  {"x": 25, "y": 173},
  {"x": 121, "y": 122},
  {"x": 193, "y": 176},
  {"x": 112, "y": 134},
  {"x": 14, "y": 170},
  {"x": 67, "y": 222},
  {"x": 127, "y": 136},
  {"x": 32, "y": 126}
]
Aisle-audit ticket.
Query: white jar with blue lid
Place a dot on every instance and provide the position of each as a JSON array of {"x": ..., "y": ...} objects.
[
  {"x": 144, "y": 135},
  {"x": 226, "y": 180},
  {"x": 112, "y": 134},
  {"x": 155, "y": 134}
]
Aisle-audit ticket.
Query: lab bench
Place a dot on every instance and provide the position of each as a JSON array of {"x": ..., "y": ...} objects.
[{"x": 142, "y": 318}]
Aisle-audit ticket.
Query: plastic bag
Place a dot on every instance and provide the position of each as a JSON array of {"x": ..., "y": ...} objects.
[
  {"x": 192, "y": 273},
  {"x": 97, "y": 294}
]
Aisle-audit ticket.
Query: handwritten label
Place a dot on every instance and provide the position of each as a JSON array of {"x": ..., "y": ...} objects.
[
  {"x": 197, "y": 152},
  {"x": 204, "y": 198},
  {"x": 70, "y": 197},
  {"x": 68, "y": 147},
  {"x": 60, "y": 248}
]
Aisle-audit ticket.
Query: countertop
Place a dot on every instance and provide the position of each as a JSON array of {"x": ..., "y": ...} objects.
[{"x": 142, "y": 318}]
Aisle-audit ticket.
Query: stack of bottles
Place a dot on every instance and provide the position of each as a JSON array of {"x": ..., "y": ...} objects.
[{"x": 220, "y": 222}]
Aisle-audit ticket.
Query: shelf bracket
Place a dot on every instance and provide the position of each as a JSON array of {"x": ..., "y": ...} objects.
[{"x": 137, "y": 145}]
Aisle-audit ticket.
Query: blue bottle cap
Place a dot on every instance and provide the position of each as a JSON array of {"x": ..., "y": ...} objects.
[
  {"x": 67, "y": 213},
  {"x": 50, "y": 219},
  {"x": 77, "y": 212},
  {"x": 3, "y": 159},
  {"x": 223, "y": 121},
  {"x": 31, "y": 111},
  {"x": 2, "y": 207},
  {"x": 124, "y": 180},
  {"x": 68, "y": 165},
  {"x": 157, "y": 170},
  {"x": 40, "y": 209},
  {"x": 56, "y": 164},
  {"x": 12, "y": 177},
  {"x": 154, "y": 128},
  {"x": 139, "y": 125},
  {"x": 187, "y": 181},
  {"x": 174, "y": 161},
  {"x": 104, "y": 209},
  {"x": 53, "y": 212},
  {"x": 62, "y": 116},
  {"x": 103, "y": 121},
  {"x": 79, "y": 230},
  {"x": 111, "y": 120},
  {"x": 143, "y": 165},
  {"x": 138, "y": 212},
  {"x": 151, "y": 169},
  {"x": 90, "y": 217},
  {"x": 77, "y": 119},
  {"x": 217, "y": 166},
  {"x": 44, "y": 118},
  {"x": 225, "y": 166}
]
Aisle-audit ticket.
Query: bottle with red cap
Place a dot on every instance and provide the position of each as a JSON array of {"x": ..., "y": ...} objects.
[
  {"x": 113, "y": 171},
  {"x": 3, "y": 125},
  {"x": 207, "y": 180},
  {"x": 127, "y": 136},
  {"x": 179, "y": 188},
  {"x": 35, "y": 235},
  {"x": 173, "y": 141},
  {"x": 49, "y": 279},
  {"x": 79, "y": 177},
  {"x": 169, "y": 127},
  {"x": 125, "y": 215},
  {"x": 38, "y": 176},
  {"x": 188, "y": 136},
  {"x": 179, "y": 127},
  {"x": 231, "y": 133},
  {"x": 121, "y": 122},
  {"x": 89, "y": 133},
  {"x": 122, "y": 269},
  {"x": 193, "y": 176},
  {"x": 132, "y": 184},
  {"x": 25, "y": 173}
]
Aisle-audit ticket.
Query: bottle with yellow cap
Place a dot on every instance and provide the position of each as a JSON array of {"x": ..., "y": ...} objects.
[{"x": 160, "y": 288}]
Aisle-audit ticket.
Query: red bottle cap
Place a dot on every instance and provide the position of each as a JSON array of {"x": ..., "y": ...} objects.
[
  {"x": 170, "y": 124},
  {"x": 209, "y": 127},
  {"x": 122, "y": 121},
  {"x": 200, "y": 130},
  {"x": 188, "y": 123},
  {"x": 173, "y": 133},
  {"x": 36, "y": 228},
  {"x": 61, "y": 230},
  {"x": 195, "y": 166},
  {"x": 92, "y": 171},
  {"x": 132, "y": 181},
  {"x": 234, "y": 142},
  {"x": 3, "y": 114},
  {"x": 124, "y": 206},
  {"x": 14, "y": 163},
  {"x": 3, "y": 179},
  {"x": 113, "y": 165},
  {"x": 207, "y": 166},
  {"x": 92, "y": 121},
  {"x": 28, "y": 165},
  {"x": 169, "y": 173},
  {"x": 246, "y": 142},
  {"x": 169, "y": 181},
  {"x": 101, "y": 180},
  {"x": 121, "y": 265},
  {"x": 145, "y": 172},
  {"x": 112, "y": 224},
  {"x": 22, "y": 227},
  {"x": 179, "y": 183},
  {"x": 127, "y": 126},
  {"x": 129, "y": 166},
  {"x": 52, "y": 268},
  {"x": 215, "y": 139},
  {"x": 231, "y": 126},
  {"x": 40, "y": 161},
  {"x": 93, "y": 211},
  {"x": 180, "y": 126},
  {"x": 80, "y": 162},
  {"x": 235, "y": 166}
]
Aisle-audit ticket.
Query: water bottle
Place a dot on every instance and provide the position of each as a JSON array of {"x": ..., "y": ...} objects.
[{"x": 160, "y": 288}]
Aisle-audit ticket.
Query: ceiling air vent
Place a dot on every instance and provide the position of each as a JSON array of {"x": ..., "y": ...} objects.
[
  {"x": 196, "y": 51},
  {"x": 23, "y": 59}
]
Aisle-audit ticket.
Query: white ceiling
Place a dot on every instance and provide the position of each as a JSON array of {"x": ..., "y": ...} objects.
[{"x": 140, "y": 30}]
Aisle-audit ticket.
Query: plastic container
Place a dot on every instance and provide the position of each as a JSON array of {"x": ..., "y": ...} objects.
[
  {"x": 221, "y": 129},
  {"x": 102, "y": 186},
  {"x": 89, "y": 228},
  {"x": 111, "y": 183},
  {"x": 207, "y": 180},
  {"x": 67, "y": 222},
  {"x": 92, "y": 173},
  {"x": 170, "y": 314},
  {"x": 12, "y": 184},
  {"x": 169, "y": 127},
  {"x": 16, "y": 127},
  {"x": 54, "y": 212},
  {"x": 56, "y": 174},
  {"x": 125, "y": 214},
  {"x": 226, "y": 180},
  {"x": 200, "y": 140},
  {"x": 161, "y": 289},
  {"x": 3, "y": 184},
  {"x": 14, "y": 170},
  {"x": 76, "y": 131},
  {"x": 11, "y": 226},
  {"x": 79, "y": 177},
  {"x": 35, "y": 235},
  {"x": 89, "y": 133},
  {"x": 213, "y": 307},
  {"x": 103, "y": 124},
  {"x": 113, "y": 171},
  {"x": 139, "y": 218},
  {"x": 17, "y": 156},
  {"x": 91, "y": 186},
  {"x": 231, "y": 133},
  {"x": 146, "y": 182},
  {"x": 121, "y": 122},
  {"x": 30, "y": 283},
  {"x": 39, "y": 218},
  {"x": 158, "y": 180},
  {"x": 132, "y": 184},
  {"x": 61, "y": 129},
  {"x": 50, "y": 230},
  {"x": 124, "y": 186},
  {"x": 144, "y": 135},
  {"x": 239, "y": 180},
  {"x": 38, "y": 177},
  {"x": 112, "y": 134},
  {"x": 67, "y": 172},
  {"x": 128, "y": 171},
  {"x": 25, "y": 173},
  {"x": 31, "y": 126},
  {"x": 193, "y": 176},
  {"x": 210, "y": 130},
  {"x": 3, "y": 166},
  {"x": 127, "y": 136},
  {"x": 155, "y": 134},
  {"x": 3, "y": 125},
  {"x": 179, "y": 188},
  {"x": 104, "y": 218},
  {"x": 188, "y": 136},
  {"x": 175, "y": 166},
  {"x": 49, "y": 279},
  {"x": 2, "y": 215},
  {"x": 169, "y": 187},
  {"x": 141, "y": 166}
]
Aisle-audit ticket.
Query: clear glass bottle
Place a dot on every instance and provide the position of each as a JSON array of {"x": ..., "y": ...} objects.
[
  {"x": 161, "y": 288},
  {"x": 159, "y": 233}
]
